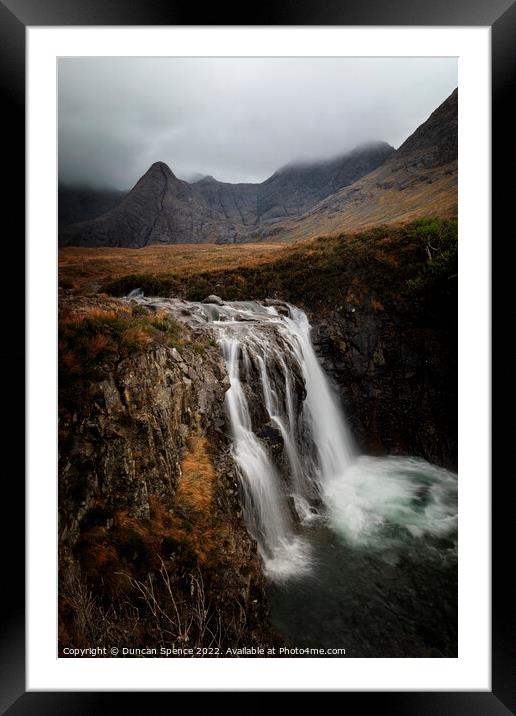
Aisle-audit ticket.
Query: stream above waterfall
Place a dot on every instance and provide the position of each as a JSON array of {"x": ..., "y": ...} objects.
[{"x": 360, "y": 552}]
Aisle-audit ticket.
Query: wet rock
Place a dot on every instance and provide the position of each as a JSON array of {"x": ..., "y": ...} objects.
[
  {"x": 395, "y": 372},
  {"x": 214, "y": 299},
  {"x": 271, "y": 435}
]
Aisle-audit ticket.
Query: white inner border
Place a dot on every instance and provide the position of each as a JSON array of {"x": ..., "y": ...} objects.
[{"x": 471, "y": 670}]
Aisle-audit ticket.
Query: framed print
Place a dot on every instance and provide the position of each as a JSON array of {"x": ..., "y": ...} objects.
[{"x": 258, "y": 353}]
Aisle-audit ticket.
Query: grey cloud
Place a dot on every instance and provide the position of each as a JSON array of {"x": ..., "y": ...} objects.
[{"x": 238, "y": 119}]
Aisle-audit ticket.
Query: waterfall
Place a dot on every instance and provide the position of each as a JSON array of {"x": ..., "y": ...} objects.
[
  {"x": 265, "y": 500},
  {"x": 323, "y": 417},
  {"x": 294, "y": 450}
]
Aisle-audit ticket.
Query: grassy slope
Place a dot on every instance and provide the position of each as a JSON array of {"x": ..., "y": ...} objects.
[
  {"x": 393, "y": 263},
  {"x": 87, "y": 268},
  {"x": 373, "y": 200}
]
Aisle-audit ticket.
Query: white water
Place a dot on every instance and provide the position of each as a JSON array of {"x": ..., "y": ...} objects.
[
  {"x": 265, "y": 501},
  {"x": 382, "y": 501},
  {"x": 295, "y": 454},
  {"x": 323, "y": 417}
]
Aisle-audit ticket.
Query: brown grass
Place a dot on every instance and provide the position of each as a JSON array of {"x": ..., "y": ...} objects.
[
  {"x": 366, "y": 204},
  {"x": 196, "y": 484},
  {"x": 84, "y": 269},
  {"x": 98, "y": 344},
  {"x": 89, "y": 335},
  {"x": 194, "y": 498},
  {"x": 184, "y": 526}
]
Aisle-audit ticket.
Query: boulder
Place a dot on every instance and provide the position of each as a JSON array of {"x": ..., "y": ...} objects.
[{"x": 214, "y": 299}]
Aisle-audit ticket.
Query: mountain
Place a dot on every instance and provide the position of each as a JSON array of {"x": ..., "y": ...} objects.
[
  {"x": 164, "y": 209},
  {"x": 236, "y": 202},
  {"x": 80, "y": 203},
  {"x": 373, "y": 184},
  {"x": 293, "y": 190},
  {"x": 419, "y": 178},
  {"x": 159, "y": 209}
]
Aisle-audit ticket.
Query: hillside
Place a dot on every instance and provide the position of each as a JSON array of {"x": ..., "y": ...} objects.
[
  {"x": 296, "y": 188},
  {"x": 419, "y": 179}
]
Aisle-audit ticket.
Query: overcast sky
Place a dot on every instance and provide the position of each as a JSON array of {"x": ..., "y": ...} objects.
[{"x": 237, "y": 119}]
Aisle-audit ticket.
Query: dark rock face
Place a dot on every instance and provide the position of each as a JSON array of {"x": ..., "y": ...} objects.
[
  {"x": 396, "y": 373},
  {"x": 162, "y": 209},
  {"x": 435, "y": 142},
  {"x": 234, "y": 202}
]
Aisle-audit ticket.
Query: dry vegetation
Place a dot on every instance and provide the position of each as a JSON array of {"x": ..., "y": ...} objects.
[
  {"x": 90, "y": 337},
  {"x": 86, "y": 269},
  {"x": 384, "y": 264},
  {"x": 388, "y": 261},
  {"x": 372, "y": 201},
  {"x": 144, "y": 582}
]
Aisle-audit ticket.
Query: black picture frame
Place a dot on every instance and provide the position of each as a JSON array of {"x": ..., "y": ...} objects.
[{"x": 15, "y": 16}]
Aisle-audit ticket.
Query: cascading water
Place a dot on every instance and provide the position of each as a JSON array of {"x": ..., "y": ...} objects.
[
  {"x": 335, "y": 520},
  {"x": 265, "y": 501}
]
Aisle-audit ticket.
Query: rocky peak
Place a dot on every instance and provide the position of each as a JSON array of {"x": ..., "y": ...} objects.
[
  {"x": 155, "y": 179},
  {"x": 161, "y": 167},
  {"x": 435, "y": 141}
]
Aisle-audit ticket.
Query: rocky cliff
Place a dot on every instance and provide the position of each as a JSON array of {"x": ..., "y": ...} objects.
[
  {"x": 233, "y": 202},
  {"x": 396, "y": 373},
  {"x": 152, "y": 542}
]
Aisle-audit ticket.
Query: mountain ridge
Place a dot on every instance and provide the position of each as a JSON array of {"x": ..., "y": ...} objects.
[
  {"x": 371, "y": 184},
  {"x": 419, "y": 178},
  {"x": 209, "y": 210}
]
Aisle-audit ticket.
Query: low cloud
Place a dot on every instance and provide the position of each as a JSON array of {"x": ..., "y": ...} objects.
[{"x": 238, "y": 119}]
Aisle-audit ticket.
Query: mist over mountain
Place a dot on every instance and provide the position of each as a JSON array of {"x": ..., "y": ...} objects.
[
  {"x": 371, "y": 184},
  {"x": 80, "y": 203},
  {"x": 419, "y": 179},
  {"x": 164, "y": 209}
]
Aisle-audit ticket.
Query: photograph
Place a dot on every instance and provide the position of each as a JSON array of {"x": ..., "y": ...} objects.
[{"x": 257, "y": 357}]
